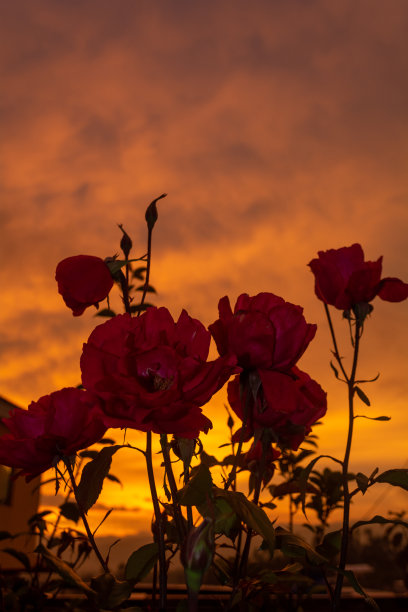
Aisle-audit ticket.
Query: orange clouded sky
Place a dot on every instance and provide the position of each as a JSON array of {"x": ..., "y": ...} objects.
[{"x": 277, "y": 128}]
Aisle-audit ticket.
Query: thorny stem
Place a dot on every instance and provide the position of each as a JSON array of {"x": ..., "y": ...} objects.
[
  {"x": 83, "y": 517},
  {"x": 347, "y": 497},
  {"x": 159, "y": 523}
]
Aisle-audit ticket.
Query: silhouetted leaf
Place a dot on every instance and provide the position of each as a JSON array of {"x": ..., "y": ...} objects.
[
  {"x": 19, "y": 555},
  {"x": 149, "y": 289},
  {"x": 305, "y": 473},
  {"x": 397, "y": 478},
  {"x": 70, "y": 510},
  {"x": 362, "y": 396},
  {"x": 105, "y": 312},
  {"x": 362, "y": 482},
  {"x": 141, "y": 561},
  {"x": 140, "y": 307},
  {"x": 93, "y": 476},
  {"x": 139, "y": 273},
  {"x": 381, "y": 520}
]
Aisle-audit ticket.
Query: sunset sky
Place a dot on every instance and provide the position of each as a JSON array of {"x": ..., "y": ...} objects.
[{"x": 276, "y": 127}]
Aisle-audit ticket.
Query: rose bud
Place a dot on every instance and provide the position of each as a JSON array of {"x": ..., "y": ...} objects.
[
  {"x": 197, "y": 553},
  {"x": 83, "y": 280}
]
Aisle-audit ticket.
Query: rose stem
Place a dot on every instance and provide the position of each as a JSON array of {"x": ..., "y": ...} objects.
[
  {"x": 189, "y": 508},
  {"x": 336, "y": 350},
  {"x": 178, "y": 517},
  {"x": 257, "y": 492},
  {"x": 156, "y": 507},
  {"x": 346, "y": 506},
  {"x": 232, "y": 475},
  {"x": 83, "y": 517},
  {"x": 125, "y": 291}
]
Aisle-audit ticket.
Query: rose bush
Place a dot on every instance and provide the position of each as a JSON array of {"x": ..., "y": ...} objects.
[
  {"x": 83, "y": 280},
  {"x": 55, "y": 426},
  {"x": 287, "y": 404},
  {"x": 343, "y": 279},
  {"x": 263, "y": 332},
  {"x": 152, "y": 372},
  {"x": 260, "y": 461}
]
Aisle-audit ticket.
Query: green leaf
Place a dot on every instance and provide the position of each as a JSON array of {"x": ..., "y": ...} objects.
[
  {"x": 198, "y": 489},
  {"x": 20, "y": 556},
  {"x": 331, "y": 544},
  {"x": 362, "y": 396},
  {"x": 294, "y": 546},
  {"x": 358, "y": 588},
  {"x": 93, "y": 476},
  {"x": 377, "y": 519},
  {"x": 141, "y": 561},
  {"x": 70, "y": 511},
  {"x": 110, "y": 591},
  {"x": 226, "y": 519},
  {"x": 362, "y": 482},
  {"x": 397, "y": 478},
  {"x": 250, "y": 514},
  {"x": 105, "y": 312},
  {"x": 64, "y": 570}
]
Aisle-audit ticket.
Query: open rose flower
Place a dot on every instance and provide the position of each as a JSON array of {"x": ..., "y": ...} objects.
[
  {"x": 83, "y": 280},
  {"x": 263, "y": 332},
  {"x": 287, "y": 403},
  {"x": 343, "y": 279},
  {"x": 152, "y": 372},
  {"x": 56, "y": 425}
]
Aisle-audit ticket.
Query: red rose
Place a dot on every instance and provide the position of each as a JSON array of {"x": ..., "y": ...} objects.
[
  {"x": 263, "y": 332},
  {"x": 83, "y": 280},
  {"x": 343, "y": 279},
  {"x": 152, "y": 372},
  {"x": 56, "y": 425},
  {"x": 287, "y": 403}
]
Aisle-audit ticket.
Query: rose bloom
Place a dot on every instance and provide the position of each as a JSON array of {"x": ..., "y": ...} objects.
[
  {"x": 83, "y": 280},
  {"x": 152, "y": 372},
  {"x": 56, "y": 425},
  {"x": 287, "y": 403},
  {"x": 343, "y": 279},
  {"x": 264, "y": 331}
]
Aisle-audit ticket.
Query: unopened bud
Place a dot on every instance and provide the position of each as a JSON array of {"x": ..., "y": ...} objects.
[
  {"x": 197, "y": 553},
  {"x": 126, "y": 242},
  {"x": 151, "y": 212}
]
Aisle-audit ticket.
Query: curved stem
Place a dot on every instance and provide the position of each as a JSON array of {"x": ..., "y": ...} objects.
[
  {"x": 83, "y": 517},
  {"x": 346, "y": 492},
  {"x": 159, "y": 523},
  {"x": 333, "y": 336}
]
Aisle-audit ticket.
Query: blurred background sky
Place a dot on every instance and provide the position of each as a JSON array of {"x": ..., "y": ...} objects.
[{"x": 278, "y": 128}]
